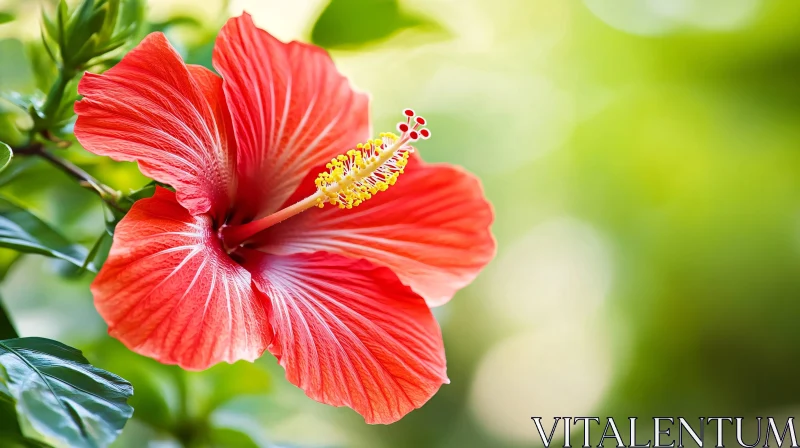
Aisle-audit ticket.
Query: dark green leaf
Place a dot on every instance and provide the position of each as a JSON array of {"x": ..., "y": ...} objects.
[
  {"x": 7, "y": 330},
  {"x": 156, "y": 393},
  {"x": 10, "y": 432},
  {"x": 348, "y": 23},
  {"x": 6, "y": 17},
  {"x": 11, "y": 435},
  {"x": 5, "y": 155},
  {"x": 23, "y": 231},
  {"x": 8, "y": 414},
  {"x": 61, "y": 396},
  {"x": 97, "y": 247}
]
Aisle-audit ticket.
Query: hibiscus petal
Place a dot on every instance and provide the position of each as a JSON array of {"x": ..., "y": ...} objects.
[
  {"x": 432, "y": 229},
  {"x": 170, "y": 292},
  {"x": 291, "y": 111},
  {"x": 152, "y": 109},
  {"x": 350, "y": 334}
]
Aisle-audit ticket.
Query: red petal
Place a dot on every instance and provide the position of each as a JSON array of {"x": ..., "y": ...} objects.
[
  {"x": 350, "y": 334},
  {"x": 152, "y": 109},
  {"x": 170, "y": 292},
  {"x": 431, "y": 229},
  {"x": 291, "y": 111}
]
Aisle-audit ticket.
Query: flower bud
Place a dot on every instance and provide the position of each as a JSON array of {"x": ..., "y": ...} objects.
[{"x": 80, "y": 37}]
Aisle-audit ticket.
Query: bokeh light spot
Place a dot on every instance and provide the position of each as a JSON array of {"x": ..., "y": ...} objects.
[
  {"x": 561, "y": 369},
  {"x": 560, "y": 268}
]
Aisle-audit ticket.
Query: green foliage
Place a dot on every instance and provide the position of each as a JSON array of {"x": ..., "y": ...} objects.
[
  {"x": 184, "y": 404},
  {"x": 351, "y": 23},
  {"x": 65, "y": 401},
  {"x": 11, "y": 434},
  {"x": 76, "y": 39},
  {"x": 21, "y": 230},
  {"x": 90, "y": 31},
  {"x": 59, "y": 397}
]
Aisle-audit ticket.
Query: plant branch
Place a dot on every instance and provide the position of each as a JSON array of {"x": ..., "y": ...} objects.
[{"x": 106, "y": 193}]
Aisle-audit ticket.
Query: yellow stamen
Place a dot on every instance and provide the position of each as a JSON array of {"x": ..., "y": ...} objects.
[
  {"x": 359, "y": 174},
  {"x": 350, "y": 179}
]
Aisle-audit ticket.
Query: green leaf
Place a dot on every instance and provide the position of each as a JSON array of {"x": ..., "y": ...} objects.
[
  {"x": 11, "y": 435},
  {"x": 349, "y": 23},
  {"x": 97, "y": 247},
  {"x": 23, "y": 231},
  {"x": 62, "y": 397},
  {"x": 7, "y": 330},
  {"x": 156, "y": 394},
  {"x": 6, "y": 154},
  {"x": 6, "y": 17}
]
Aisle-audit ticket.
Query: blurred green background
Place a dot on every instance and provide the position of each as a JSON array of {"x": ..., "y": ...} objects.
[{"x": 643, "y": 159}]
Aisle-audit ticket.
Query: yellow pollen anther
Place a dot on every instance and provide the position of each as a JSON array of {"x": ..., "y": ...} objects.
[{"x": 360, "y": 173}]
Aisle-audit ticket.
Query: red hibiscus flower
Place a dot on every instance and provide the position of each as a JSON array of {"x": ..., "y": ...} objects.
[{"x": 283, "y": 233}]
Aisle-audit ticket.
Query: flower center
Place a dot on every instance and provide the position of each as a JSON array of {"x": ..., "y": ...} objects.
[{"x": 350, "y": 179}]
